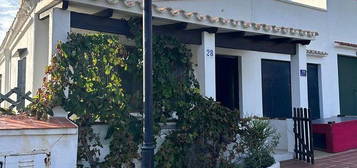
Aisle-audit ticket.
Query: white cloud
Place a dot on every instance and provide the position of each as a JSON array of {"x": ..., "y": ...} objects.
[{"x": 8, "y": 9}]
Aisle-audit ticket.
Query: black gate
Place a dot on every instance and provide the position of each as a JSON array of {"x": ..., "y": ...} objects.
[{"x": 303, "y": 135}]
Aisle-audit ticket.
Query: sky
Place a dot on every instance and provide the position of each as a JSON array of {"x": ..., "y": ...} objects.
[{"x": 8, "y": 9}]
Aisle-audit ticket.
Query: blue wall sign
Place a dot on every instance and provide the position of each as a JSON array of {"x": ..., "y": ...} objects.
[{"x": 303, "y": 72}]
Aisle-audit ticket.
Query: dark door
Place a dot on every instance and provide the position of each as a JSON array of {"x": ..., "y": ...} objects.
[
  {"x": 347, "y": 72},
  {"x": 227, "y": 87},
  {"x": 313, "y": 90},
  {"x": 276, "y": 89}
]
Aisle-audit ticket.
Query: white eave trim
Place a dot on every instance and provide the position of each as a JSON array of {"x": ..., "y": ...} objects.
[
  {"x": 316, "y": 53},
  {"x": 345, "y": 45},
  {"x": 136, "y": 7}
]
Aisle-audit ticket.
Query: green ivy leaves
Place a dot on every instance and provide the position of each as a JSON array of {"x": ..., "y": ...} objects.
[{"x": 104, "y": 82}]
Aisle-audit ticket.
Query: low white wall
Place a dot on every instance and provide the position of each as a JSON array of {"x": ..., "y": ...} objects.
[
  {"x": 275, "y": 165},
  {"x": 61, "y": 144},
  {"x": 286, "y": 130},
  {"x": 101, "y": 130}
]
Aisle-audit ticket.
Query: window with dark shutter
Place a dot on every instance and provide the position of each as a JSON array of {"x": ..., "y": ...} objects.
[
  {"x": 276, "y": 89},
  {"x": 21, "y": 74}
]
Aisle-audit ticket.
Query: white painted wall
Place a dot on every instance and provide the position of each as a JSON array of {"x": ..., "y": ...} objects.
[
  {"x": 251, "y": 81},
  {"x": 23, "y": 40},
  {"x": 206, "y": 57},
  {"x": 299, "y": 90},
  {"x": 2, "y": 72},
  {"x": 337, "y": 23},
  {"x": 100, "y": 130},
  {"x": 285, "y": 128},
  {"x": 41, "y": 45},
  {"x": 59, "y": 27},
  {"x": 40, "y": 38},
  {"x": 61, "y": 144}
]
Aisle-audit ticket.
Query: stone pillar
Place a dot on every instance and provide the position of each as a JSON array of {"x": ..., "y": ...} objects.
[
  {"x": 207, "y": 65},
  {"x": 299, "y": 90},
  {"x": 59, "y": 27}
]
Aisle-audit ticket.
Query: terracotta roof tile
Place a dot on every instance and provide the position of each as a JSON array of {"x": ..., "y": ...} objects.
[
  {"x": 8, "y": 122},
  {"x": 346, "y": 44},
  {"x": 219, "y": 21}
]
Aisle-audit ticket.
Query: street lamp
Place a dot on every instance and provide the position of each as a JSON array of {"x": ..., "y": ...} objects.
[{"x": 148, "y": 145}]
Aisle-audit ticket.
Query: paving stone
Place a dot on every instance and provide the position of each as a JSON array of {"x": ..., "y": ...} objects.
[{"x": 346, "y": 159}]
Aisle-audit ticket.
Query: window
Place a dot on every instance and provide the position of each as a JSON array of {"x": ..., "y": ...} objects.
[
  {"x": 21, "y": 74},
  {"x": 276, "y": 89},
  {"x": 319, "y": 4}
]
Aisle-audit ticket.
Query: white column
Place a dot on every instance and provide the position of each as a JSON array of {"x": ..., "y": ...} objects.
[
  {"x": 207, "y": 65},
  {"x": 299, "y": 90},
  {"x": 251, "y": 101},
  {"x": 59, "y": 27},
  {"x": 40, "y": 51},
  {"x": 7, "y": 76}
]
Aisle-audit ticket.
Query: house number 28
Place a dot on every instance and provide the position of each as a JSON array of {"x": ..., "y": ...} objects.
[{"x": 209, "y": 53}]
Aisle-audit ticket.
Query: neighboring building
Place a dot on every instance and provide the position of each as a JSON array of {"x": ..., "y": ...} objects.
[
  {"x": 28, "y": 142},
  {"x": 260, "y": 56}
]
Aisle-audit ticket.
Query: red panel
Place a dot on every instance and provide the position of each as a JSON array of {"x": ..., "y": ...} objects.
[{"x": 339, "y": 136}]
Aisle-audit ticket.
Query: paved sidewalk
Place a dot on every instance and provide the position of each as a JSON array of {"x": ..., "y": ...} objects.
[{"x": 346, "y": 159}]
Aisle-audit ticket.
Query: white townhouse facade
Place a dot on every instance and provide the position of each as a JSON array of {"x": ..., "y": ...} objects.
[{"x": 263, "y": 57}]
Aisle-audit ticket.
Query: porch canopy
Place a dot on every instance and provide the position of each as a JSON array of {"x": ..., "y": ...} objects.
[{"x": 187, "y": 26}]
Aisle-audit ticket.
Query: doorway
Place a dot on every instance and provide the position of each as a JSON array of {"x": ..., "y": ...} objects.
[
  {"x": 313, "y": 90},
  {"x": 227, "y": 81},
  {"x": 276, "y": 83},
  {"x": 347, "y": 68}
]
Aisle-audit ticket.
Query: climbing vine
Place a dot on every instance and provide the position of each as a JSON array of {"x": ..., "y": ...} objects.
[
  {"x": 85, "y": 78},
  {"x": 98, "y": 79}
]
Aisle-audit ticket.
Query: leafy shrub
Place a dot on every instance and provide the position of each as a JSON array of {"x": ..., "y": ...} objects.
[
  {"x": 203, "y": 134},
  {"x": 85, "y": 77},
  {"x": 258, "y": 141},
  {"x": 97, "y": 78},
  {"x": 262, "y": 159}
]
